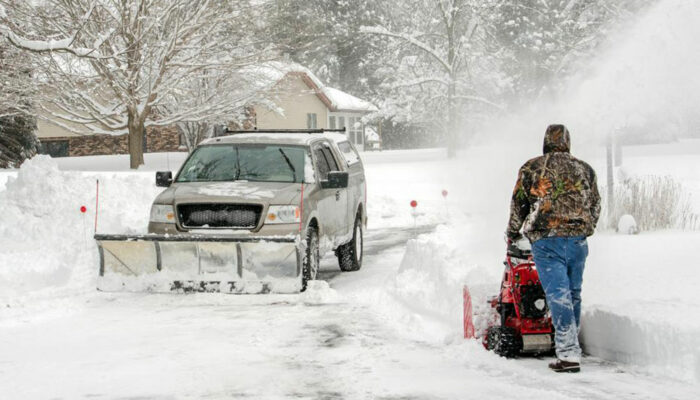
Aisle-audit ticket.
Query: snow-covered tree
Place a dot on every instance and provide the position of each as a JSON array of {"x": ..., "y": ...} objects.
[
  {"x": 17, "y": 123},
  {"x": 116, "y": 66},
  {"x": 226, "y": 92},
  {"x": 439, "y": 69},
  {"x": 544, "y": 42},
  {"x": 324, "y": 36},
  {"x": 17, "y": 139}
]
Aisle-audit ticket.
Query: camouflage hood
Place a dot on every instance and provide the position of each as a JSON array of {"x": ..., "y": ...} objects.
[
  {"x": 556, "y": 193},
  {"x": 557, "y": 139}
]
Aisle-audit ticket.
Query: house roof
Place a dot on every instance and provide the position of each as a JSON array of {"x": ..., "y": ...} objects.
[
  {"x": 269, "y": 74},
  {"x": 347, "y": 102}
]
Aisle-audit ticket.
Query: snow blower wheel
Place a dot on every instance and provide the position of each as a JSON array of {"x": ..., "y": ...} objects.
[{"x": 504, "y": 341}]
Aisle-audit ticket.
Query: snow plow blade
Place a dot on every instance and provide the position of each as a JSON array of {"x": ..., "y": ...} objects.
[{"x": 199, "y": 263}]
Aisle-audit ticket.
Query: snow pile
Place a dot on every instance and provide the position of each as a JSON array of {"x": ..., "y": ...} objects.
[
  {"x": 627, "y": 225},
  {"x": 639, "y": 302},
  {"x": 431, "y": 278},
  {"x": 319, "y": 292},
  {"x": 47, "y": 249}
]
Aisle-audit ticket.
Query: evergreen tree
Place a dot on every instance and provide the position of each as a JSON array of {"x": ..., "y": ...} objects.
[
  {"x": 17, "y": 139},
  {"x": 17, "y": 124}
]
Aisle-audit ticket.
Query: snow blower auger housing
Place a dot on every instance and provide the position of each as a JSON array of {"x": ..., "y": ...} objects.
[
  {"x": 247, "y": 213},
  {"x": 523, "y": 323}
]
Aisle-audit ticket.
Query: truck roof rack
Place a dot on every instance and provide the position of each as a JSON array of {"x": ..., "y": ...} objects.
[{"x": 307, "y": 131}]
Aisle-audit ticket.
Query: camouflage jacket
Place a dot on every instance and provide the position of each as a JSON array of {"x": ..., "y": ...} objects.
[{"x": 556, "y": 194}]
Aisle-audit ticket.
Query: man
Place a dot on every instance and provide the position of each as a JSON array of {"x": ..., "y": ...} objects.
[{"x": 557, "y": 205}]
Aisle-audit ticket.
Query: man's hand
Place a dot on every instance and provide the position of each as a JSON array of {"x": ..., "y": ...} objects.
[{"x": 512, "y": 237}]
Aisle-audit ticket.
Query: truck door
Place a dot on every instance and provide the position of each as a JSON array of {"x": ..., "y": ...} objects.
[
  {"x": 356, "y": 182},
  {"x": 333, "y": 203},
  {"x": 340, "y": 208}
]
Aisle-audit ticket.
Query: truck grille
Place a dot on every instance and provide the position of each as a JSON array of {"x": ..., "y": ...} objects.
[{"x": 236, "y": 216}]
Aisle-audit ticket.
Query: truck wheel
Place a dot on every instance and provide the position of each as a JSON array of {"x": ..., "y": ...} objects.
[
  {"x": 311, "y": 260},
  {"x": 350, "y": 254}
]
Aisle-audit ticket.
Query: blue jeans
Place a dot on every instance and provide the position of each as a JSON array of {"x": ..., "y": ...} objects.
[{"x": 560, "y": 262}]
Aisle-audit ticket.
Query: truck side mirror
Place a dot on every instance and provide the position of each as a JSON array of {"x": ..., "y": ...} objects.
[
  {"x": 164, "y": 178},
  {"x": 336, "y": 180}
]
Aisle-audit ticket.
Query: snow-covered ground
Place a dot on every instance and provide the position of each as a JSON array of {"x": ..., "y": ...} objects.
[{"x": 391, "y": 330}]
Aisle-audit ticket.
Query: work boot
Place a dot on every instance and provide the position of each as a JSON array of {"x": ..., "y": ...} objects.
[{"x": 565, "y": 366}]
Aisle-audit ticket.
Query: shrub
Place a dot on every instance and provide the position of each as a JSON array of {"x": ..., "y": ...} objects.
[{"x": 655, "y": 202}]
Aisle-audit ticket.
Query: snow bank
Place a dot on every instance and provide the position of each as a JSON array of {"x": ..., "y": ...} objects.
[
  {"x": 46, "y": 251},
  {"x": 639, "y": 302},
  {"x": 423, "y": 297}
]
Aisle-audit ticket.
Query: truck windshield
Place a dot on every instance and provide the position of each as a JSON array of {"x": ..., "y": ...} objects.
[{"x": 259, "y": 163}]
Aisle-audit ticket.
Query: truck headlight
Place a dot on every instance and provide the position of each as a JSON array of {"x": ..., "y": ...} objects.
[
  {"x": 162, "y": 213},
  {"x": 283, "y": 215}
]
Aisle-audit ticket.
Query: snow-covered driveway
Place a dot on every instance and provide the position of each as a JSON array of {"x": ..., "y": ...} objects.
[
  {"x": 332, "y": 344},
  {"x": 388, "y": 331}
]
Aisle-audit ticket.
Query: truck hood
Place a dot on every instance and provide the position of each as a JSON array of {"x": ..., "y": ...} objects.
[{"x": 231, "y": 192}]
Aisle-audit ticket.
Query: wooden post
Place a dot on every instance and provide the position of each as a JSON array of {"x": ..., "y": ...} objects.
[
  {"x": 610, "y": 178},
  {"x": 618, "y": 150}
]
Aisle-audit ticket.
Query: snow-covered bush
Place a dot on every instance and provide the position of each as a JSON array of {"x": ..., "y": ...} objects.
[
  {"x": 627, "y": 225},
  {"x": 654, "y": 202}
]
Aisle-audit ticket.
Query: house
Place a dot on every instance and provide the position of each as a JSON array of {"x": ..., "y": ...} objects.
[
  {"x": 62, "y": 141},
  {"x": 292, "y": 98},
  {"x": 299, "y": 100}
]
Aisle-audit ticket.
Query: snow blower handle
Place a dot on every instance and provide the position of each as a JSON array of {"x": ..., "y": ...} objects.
[{"x": 518, "y": 246}]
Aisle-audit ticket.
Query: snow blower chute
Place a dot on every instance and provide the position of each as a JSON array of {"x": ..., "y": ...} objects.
[
  {"x": 237, "y": 264},
  {"x": 518, "y": 319}
]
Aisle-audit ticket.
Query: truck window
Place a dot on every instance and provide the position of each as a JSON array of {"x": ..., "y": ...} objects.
[
  {"x": 332, "y": 163},
  {"x": 255, "y": 163},
  {"x": 321, "y": 164},
  {"x": 349, "y": 153}
]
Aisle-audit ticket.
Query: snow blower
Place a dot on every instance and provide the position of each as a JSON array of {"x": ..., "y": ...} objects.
[{"x": 519, "y": 320}]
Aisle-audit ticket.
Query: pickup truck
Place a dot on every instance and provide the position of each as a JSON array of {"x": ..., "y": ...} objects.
[{"x": 254, "y": 188}]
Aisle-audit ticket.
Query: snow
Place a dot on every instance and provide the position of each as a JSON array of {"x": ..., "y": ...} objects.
[
  {"x": 319, "y": 292},
  {"x": 47, "y": 249},
  {"x": 395, "y": 325},
  {"x": 235, "y": 189},
  {"x": 627, "y": 225},
  {"x": 347, "y": 102}
]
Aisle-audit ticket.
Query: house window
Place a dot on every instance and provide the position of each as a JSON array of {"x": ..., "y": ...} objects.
[
  {"x": 331, "y": 123},
  {"x": 54, "y": 148},
  {"x": 311, "y": 121},
  {"x": 341, "y": 122},
  {"x": 355, "y": 131}
]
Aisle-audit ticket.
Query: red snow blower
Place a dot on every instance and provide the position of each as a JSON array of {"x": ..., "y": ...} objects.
[{"x": 520, "y": 321}]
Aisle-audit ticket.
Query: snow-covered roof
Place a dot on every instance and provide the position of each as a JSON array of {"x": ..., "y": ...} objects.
[
  {"x": 347, "y": 102},
  {"x": 268, "y": 74}
]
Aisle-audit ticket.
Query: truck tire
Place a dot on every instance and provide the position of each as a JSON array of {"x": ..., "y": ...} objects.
[
  {"x": 350, "y": 254},
  {"x": 310, "y": 267}
]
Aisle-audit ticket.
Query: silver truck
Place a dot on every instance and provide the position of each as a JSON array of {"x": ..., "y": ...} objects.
[{"x": 250, "y": 212}]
